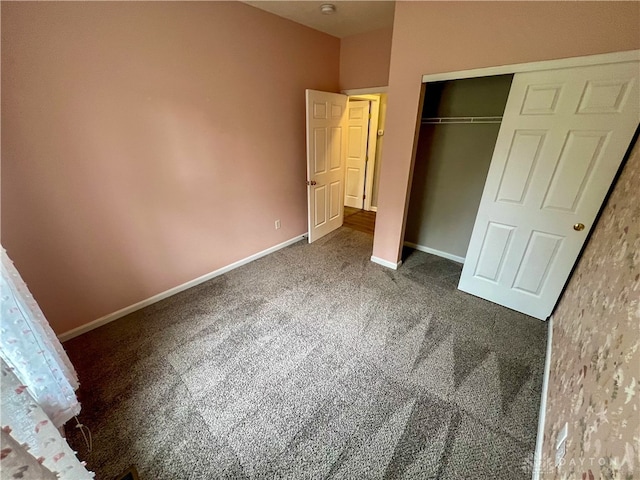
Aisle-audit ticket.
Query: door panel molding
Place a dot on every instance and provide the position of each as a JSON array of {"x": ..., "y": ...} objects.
[
  {"x": 524, "y": 244},
  {"x": 356, "y": 152},
  {"x": 325, "y": 114}
]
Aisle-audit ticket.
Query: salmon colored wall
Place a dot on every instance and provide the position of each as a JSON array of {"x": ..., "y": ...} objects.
[
  {"x": 147, "y": 143},
  {"x": 364, "y": 59},
  {"x": 435, "y": 37}
]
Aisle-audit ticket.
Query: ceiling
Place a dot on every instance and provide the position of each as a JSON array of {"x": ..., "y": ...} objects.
[{"x": 350, "y": 18}]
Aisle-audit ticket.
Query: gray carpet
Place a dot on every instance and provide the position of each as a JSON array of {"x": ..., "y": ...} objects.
[{"x": 310, "y": 363}]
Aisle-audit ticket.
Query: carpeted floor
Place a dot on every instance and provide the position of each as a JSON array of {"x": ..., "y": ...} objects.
[{"x": 310, "y": 363}]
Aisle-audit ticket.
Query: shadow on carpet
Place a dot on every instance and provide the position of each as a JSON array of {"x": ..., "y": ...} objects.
[{"x": 313, "y": 362}]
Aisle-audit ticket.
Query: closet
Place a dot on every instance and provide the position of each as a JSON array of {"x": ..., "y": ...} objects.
[{"x": 458, "y": 132}]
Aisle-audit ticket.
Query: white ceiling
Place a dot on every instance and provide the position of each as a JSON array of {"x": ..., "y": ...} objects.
[{"x": 350, "y": 18}]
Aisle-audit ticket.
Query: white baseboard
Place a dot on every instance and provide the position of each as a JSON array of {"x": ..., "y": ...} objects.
[
  {"x": 373, "y": 209},
  {"x": 386, "y": 263},
  {"x": 172, "y": 291},
  {"x": 433, "y": 251},
  {"x": 537, "y": 458}
]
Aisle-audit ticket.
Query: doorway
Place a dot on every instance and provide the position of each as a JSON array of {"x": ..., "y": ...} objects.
[
  {"x": 328, "y": 152},
  {"x": 458, "y": 131},
  {"x": 365, "y": 117}
]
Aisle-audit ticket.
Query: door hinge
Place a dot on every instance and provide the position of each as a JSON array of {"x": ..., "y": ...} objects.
[{"x": 364, "y": 196}]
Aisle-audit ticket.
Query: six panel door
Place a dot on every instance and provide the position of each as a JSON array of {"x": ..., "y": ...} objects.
[
  {"x": 325, "y": 162},
  {"x": 563, "y": 136}
]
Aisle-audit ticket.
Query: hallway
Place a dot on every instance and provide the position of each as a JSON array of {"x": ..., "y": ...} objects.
[{"x": 360, "y": 220}]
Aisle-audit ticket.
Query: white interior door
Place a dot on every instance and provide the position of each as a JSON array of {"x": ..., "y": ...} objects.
[
  {"x": 357, "y": 136},
  {"x": 561, "y": 142},
  {"x": 325, "y": 161}
]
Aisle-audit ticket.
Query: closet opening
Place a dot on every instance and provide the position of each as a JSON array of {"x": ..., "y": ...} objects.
[{"x": 458, "y": 132}]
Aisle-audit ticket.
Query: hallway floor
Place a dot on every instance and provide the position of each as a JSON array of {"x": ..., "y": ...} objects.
[{"x": 361, "y": 220}]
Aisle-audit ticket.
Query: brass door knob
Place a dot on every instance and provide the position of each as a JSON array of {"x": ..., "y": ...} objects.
[{"x": 578, "y": 227}]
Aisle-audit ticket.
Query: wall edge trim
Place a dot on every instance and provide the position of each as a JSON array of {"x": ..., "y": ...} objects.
[
  {"x": 433, "y": 251},
  {"x": 537, "y": 458},
  {"x": 386, "y": 263},
  {"x": 364, "y": 91},
  {"x": 553, "y": 64},
  {"x": 87, "y": 327}
]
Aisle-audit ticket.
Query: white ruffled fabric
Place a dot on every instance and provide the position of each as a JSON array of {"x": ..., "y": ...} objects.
[
  {"x": 37, "y": 389},
  {"x": 31, "y": 348}
]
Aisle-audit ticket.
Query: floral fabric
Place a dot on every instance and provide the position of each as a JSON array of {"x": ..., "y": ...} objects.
[
  {"x": 17, "y": 462},
  {"x": 32, "y": 447}
]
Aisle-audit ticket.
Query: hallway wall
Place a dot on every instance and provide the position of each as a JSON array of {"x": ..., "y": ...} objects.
[{"x": 364, "y": 59}]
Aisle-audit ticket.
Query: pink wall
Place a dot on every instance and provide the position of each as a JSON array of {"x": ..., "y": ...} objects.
[
  {"x": 146, "y": 144},
  {"x": 364, "y": 59},
  {"x": 432, "y": 37}
]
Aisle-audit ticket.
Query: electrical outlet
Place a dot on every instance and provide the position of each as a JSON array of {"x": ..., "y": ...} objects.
[{"x": 278, "y": 225}]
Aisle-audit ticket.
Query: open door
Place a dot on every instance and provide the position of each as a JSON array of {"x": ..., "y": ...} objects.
[
  {"x": 325, "y": 162},
  {"x": 563, "y": 137}
]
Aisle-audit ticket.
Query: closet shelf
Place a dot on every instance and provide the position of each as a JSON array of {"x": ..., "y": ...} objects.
[{"x": 442, "y": 120}]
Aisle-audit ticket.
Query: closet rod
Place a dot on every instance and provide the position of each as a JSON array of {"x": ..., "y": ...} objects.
[{"x": 440, "y": 120}]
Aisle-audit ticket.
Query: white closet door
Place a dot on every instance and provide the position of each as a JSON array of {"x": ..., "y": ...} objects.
[{"x": 563, "y": 136}]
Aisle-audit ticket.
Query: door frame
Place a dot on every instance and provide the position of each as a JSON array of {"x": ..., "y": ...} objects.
[
  {"x": 582, "y": 61},
  {"x": 351, "y": 92},
  {"x": 372, "y": 143},
  {"x": 372, "y": 94}
]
